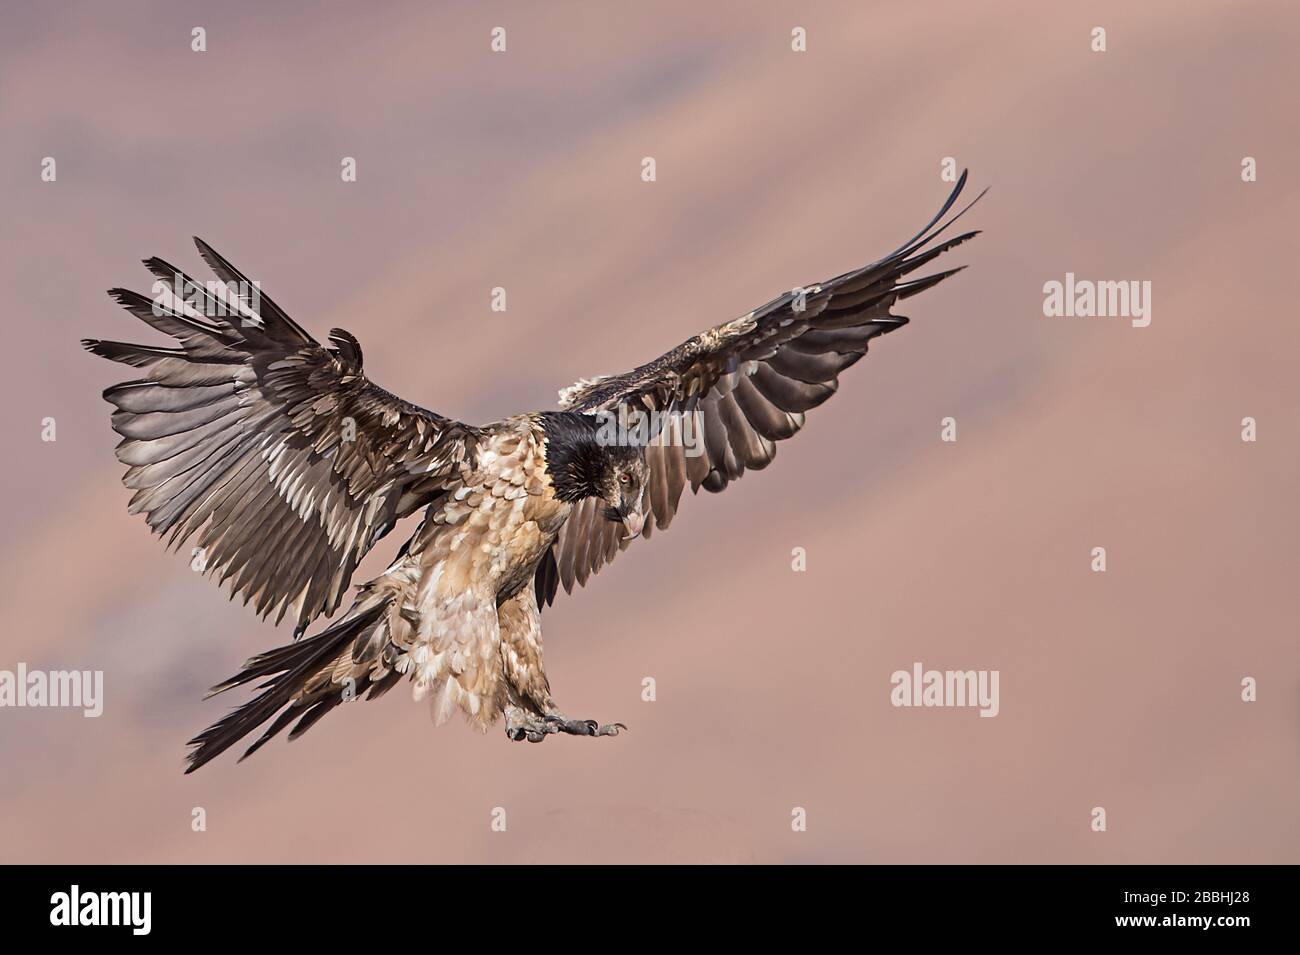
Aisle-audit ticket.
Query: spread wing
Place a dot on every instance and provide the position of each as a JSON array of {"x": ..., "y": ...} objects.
[
  {"x": 278, "y": 453},
  {"x": 742, "y": 386}
]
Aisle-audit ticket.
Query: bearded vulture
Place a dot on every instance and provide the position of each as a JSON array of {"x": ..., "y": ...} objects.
[{"x": 285, "y": 464}]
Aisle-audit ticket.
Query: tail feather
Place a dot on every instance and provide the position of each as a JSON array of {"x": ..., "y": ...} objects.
[{"x": 299, "y": 684}]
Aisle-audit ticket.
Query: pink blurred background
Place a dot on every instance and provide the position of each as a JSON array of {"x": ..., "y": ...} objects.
[{"x": 775, "y": 168}]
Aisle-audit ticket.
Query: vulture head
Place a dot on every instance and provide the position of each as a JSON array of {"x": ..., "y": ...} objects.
[
  {"x": 622, "y": 486},
  {"x": 585, "y": 461}
]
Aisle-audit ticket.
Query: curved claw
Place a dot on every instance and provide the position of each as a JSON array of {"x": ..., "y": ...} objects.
[
  {"x": 537, "y": 728},
  {"x": 563, "y": 724}
]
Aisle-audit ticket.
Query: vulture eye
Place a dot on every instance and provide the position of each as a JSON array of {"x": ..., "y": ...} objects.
[{"x": 625, "y": 478}]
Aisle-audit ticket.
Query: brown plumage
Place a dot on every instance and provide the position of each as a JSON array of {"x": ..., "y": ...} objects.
[{"x": 283, "y": 464}]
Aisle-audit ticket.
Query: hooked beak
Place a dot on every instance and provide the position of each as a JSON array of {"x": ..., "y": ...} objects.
[{"x": 633, "y": 521}]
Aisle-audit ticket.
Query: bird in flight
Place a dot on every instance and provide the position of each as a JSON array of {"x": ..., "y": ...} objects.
[{"x": 286, "y": 464}]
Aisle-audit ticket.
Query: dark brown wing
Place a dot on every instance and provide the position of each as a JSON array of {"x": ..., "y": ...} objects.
[
  {"x": 276, "y": 451},
  {"x": 743, "y": 385}
]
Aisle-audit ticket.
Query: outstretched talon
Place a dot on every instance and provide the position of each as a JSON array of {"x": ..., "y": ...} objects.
[
  {"x": 526, "y": 726},
  {"x": 582, "y": 727}
]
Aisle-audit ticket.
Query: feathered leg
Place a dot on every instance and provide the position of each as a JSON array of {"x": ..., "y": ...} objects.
[{"x": 530, "y": 712}]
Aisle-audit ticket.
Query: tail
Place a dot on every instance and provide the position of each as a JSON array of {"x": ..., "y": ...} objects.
[{"x": 307, "y": 680}]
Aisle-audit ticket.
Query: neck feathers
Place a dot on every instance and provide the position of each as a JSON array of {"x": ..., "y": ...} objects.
[{"x": 574, "y": 458}]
